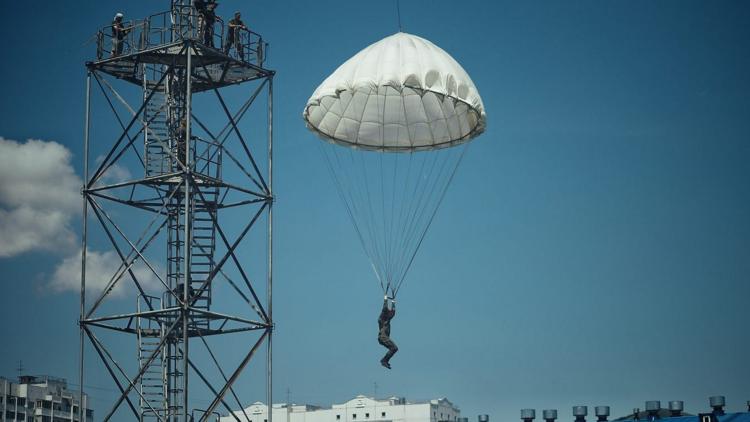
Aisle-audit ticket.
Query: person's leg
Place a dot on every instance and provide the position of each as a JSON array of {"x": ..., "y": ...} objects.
[
  {"x": 228, "y": 43},
  {"x": 392, "y": 349}
]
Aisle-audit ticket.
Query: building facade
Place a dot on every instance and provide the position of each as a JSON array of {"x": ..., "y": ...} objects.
[
  {"x": 358, "y": 409},
  {"x": 40, "y": 399}
]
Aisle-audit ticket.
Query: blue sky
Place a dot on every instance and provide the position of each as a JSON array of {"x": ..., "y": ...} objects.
[{"x": 593, "y": 249}]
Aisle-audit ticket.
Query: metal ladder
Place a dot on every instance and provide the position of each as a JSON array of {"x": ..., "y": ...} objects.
[
  {"x": 156, "y": 133},
  {"x": 152, "y": 386},
  {"x": 203, "y": 247}
]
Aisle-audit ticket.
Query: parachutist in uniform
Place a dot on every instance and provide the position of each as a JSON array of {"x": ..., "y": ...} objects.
[{"x": 384, "y": 325}]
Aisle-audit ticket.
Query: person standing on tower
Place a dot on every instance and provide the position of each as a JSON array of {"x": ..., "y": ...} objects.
[
  {"x": 207, "y": 17},
  {"x": 118, "y": 34},
  {"x": 384, "y": 333},
  {"x": 233, "y": 35}
]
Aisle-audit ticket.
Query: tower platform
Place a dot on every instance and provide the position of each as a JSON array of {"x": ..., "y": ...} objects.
[{"x": 163, "y": 39}]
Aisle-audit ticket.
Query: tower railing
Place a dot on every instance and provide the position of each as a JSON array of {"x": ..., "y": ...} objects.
[{"x": 171, "y": 26}]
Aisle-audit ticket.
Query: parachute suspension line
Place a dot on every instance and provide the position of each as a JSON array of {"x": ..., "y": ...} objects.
[
  {"x": 419, "y": 196},
  {"x": 386, "y": 243},
  {"x": 359, "y": 158},
  {"x": 367, "y": 216},
  {"x": 350, "y": 208},
  {"x": 398, "y": 12},
  {"x": 393, "y": 207},
  {"x": 432, "y": 217}
]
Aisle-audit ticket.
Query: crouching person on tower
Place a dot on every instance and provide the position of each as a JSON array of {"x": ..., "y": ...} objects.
[{"x": 384, "y": 325}]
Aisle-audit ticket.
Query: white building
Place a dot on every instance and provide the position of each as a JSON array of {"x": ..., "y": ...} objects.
[
  {"x": 358, "y": 409},
  {"x": 40, "y": 399}
]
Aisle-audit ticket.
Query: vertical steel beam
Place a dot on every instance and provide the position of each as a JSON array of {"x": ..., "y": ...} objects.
[
  {"x": 269, "y": 356},
  {"x": 188, "y": 232},
  {"x": 84, "y": 236}
]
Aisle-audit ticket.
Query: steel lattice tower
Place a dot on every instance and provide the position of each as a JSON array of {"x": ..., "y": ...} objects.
[{"x": 182, "y": 183}]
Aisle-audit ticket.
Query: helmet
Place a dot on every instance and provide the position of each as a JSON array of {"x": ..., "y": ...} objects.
[{"x": 119, "y": 15}]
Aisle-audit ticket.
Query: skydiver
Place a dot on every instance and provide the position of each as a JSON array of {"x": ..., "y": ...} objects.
[{"x": 384, "y": 325}]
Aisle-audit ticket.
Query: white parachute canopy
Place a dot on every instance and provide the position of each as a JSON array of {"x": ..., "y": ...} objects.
[{"x": 402, "y": 94}]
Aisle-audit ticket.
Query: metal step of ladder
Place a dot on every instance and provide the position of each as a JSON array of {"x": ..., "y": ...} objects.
[
  {"x": 152, "y": 398},
  {"x": 157, "y": 131}
]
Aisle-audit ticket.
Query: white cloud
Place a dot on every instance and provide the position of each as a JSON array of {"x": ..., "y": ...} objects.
[
  {"x": 100, "y": 268},
  {"x": 39, "y": 199},
  {"x": 114, "y": 173},
  {"x": 39, "y": 196}
]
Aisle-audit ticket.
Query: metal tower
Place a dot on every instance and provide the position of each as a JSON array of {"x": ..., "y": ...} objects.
[{"x": 161, "y": 216}]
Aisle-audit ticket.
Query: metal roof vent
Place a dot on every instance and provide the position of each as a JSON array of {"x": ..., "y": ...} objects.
[
  {"x": 602, "y": 412},
  {"x": 528, "y": 415},
  {"x": 549, "y": 415},
  {"x": 718, "y": 403},
  {"x": 580, "y": 413},
  {"x": 652, "y": 408},
  {"x": 675, "y": 407},
  {"x": 484, "y": 418}
]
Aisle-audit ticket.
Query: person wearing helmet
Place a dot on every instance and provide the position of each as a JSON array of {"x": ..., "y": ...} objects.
[
  {"x": 233, "y": 35},
  {"x": 118, "y": 34},
  {"x": 384, "y": 331}
]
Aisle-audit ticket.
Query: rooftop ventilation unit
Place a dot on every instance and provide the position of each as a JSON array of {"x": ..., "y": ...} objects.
[
  {"x": 549, "y": 415},
  {"x": 602, "y": 412},
  {"x": 652, "y": 408},
  {"x": 675, "y": 407},
  {"x": 580, "y": 413},
  {"x": 528, "y": 415},
  {"x": 717, "y": 403}
]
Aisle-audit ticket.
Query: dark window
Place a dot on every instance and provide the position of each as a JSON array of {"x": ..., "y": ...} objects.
[
  {"x": 10, "y": 415},
  {"x": 21, "y": 417},
  {"x": 47, "y": 404},
  {"x": 46, "y": 419},
  {"x": 338, "y": 417},
  {"x": 21, "y": 401},
  {"x": 354, "y": 416},
  {"x": 382, "y": 414},
  {"x": 367, "y": 415},
  {"x": 89, "y": 413}
]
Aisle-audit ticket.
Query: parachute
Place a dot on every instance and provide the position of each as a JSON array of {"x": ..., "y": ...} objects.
[{"x": 397, "y": 118}]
